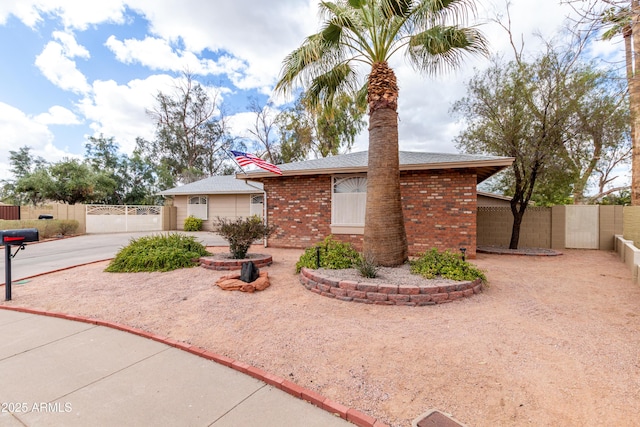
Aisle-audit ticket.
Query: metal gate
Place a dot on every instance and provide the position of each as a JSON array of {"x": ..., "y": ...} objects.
[
  {"x": 119, "y": 219},
  {"x": 582, "y": 227}
]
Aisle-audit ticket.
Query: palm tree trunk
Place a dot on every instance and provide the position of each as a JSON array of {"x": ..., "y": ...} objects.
[
  {"x": 632, "y": 43},
  {"x": 384, "y": 232}
]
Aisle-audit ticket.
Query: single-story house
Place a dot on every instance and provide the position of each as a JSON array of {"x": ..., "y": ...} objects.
[
  {"x": 217, "y": 196},
  {"x": 315, "y": 198}
]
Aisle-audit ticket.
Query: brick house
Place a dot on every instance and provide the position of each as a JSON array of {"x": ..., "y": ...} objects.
[{"x": 315, "y": 198}]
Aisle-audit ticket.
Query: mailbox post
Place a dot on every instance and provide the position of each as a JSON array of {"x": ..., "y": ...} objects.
[{"x": 11, "y": 238}]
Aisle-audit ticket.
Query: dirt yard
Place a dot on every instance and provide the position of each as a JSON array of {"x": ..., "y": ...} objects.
[{"x": 552, "y": 341}]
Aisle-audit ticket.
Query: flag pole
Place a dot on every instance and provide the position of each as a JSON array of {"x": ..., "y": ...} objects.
[{"x": 234, "y": 161}]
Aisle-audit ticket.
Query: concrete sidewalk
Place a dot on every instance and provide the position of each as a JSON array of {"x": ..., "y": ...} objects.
[{"x": 56, "y": 372}]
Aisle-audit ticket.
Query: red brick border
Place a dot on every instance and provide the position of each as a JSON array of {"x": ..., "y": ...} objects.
[
  {"x": 387, "y": 294},
  {"x": 353, "y": 415},
  {"x": 216, "y": 263}
]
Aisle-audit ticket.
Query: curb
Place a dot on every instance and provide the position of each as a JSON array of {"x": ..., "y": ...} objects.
[{"x": 350, "y": 414}]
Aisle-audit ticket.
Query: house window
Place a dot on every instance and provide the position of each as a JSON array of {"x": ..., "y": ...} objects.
[
  {"x": 349, "y": 197},
  {"x": 198, "y": 206},
  {"x": 257, "y": 205}
]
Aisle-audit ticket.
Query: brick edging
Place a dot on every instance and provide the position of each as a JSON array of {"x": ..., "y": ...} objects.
[
  {"x": 350, "y": 414},
  {"x": 387, "y": 294},
  {"x": 212, "y": 263}
]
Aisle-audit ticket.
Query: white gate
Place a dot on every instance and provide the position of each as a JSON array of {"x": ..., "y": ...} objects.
[
  {"x": 120, "y": 219},
  {"x": 582, "y": 227}
]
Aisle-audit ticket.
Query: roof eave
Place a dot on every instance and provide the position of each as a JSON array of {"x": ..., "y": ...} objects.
[
  {"x": 500, "y": 163},
  {"x": 206, "y": 193}
]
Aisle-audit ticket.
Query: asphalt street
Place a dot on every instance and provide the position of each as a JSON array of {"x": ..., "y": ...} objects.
[{"x": 51, "y": 255}]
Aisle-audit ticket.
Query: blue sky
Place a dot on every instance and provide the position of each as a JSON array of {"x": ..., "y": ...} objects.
[{"x": 73, "y": 69}]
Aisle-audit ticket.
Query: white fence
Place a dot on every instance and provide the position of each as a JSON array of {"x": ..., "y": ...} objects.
[
  {"x": 119, "y": 219},
  {"x": 629, "y": 254}
]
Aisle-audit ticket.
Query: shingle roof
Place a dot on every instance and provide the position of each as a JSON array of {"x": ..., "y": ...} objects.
[
  {"x": 227, "y": 184},
  {"x": 357, "y": 162}
]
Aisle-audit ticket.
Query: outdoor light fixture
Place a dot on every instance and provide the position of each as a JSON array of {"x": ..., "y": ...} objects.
[{"x": 464, "y": 252}]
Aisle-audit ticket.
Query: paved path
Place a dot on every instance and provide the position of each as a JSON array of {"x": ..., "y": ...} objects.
[{"x": 56, "y": 372}]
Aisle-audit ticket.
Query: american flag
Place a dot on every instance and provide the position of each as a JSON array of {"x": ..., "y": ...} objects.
[{"x": 245, "y": 159}]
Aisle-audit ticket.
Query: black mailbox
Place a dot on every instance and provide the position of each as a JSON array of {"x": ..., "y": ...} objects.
[{"x": 18, "y": 237}]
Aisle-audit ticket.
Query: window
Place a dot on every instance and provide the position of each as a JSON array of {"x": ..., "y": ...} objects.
[
  {"x": 348, "y": 204},
  {"x": 198, "y": 206},
  {"x": 257, "y": 205}
]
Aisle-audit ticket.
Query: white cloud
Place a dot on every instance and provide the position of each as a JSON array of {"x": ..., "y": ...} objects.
[
  {"x": 18, "y": 130},
  {"x": 119, "y": 111},
  {"x": 25, "y": 11},
  {"x": 70, "y": 46},
  {"x": 57, "y": 115},
  {"x": 240, "y": 124},
  {"x": 158, "y": 54},
  {"x": 76, "y": 14},
  {"x": 57, "y": 65},
  {"x": 258, "y": 33}
]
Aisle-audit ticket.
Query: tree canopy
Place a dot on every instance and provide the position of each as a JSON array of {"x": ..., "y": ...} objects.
[
  {"x": 191, "y": 135},
  {"x": 563, "y": 120}
]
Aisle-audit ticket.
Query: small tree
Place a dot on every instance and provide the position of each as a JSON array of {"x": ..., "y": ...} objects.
[{"x": 241, "y": 233}]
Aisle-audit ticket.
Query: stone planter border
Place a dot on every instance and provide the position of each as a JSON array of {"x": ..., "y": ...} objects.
[
  {"x": 387, "y": 294},
  {"x": 223, "y": 264}
]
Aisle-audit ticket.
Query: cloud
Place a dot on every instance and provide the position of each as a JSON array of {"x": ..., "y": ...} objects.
[
  {"x": 258, "y": 33},
  {"x": 73, "y": 14},
  {"x": 57, "y": 115},
  {"x": 119, "y": 111},
  {"x": 158, "y": 54},
  {"x": 25, "y": 11},
  {"x": 57, "y": 65},
  {"x": 19, "y": 130}
]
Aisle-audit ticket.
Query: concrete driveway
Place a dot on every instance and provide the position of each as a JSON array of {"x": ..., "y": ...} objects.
[{"x": 52, "y": 255}]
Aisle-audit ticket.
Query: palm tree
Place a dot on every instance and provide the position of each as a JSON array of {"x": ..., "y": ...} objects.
[
  {"x": 625, "y": 20},
  {"x": 363, "y": 34}
]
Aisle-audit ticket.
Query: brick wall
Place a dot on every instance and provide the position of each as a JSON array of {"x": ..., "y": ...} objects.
[
  {"x": 300, "y": 207},
  {"x": 439, "y": 208}
]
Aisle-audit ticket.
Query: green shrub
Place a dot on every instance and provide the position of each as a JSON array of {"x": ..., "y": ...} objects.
[
  {"x": 162, "y": 252},
  {"x": 241, "y": 233},
  {"x": 67, "y": 227},
  {"x": 366, "y": 265},
  {"x": 191, "y": 223},
  {"x": 334, "y": 254},
  {"x": 445, "y": 264}
]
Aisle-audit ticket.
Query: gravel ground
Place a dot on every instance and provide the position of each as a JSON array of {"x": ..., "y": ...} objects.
[{"x": 552, "y": 341}]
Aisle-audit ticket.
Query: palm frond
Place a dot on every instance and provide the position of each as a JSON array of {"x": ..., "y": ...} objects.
[
  {"x": 340, "y": 79},
  {"x": 444, "y": 47},
  {"x": 303, "y": 64},
  {"x": 441, "y": 12},
  {"x": 396, "y": 8},
  {"x": 361, "y": 96}
]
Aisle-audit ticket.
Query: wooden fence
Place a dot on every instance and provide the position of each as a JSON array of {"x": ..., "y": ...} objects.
[{"x": 9, "y": 212}]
